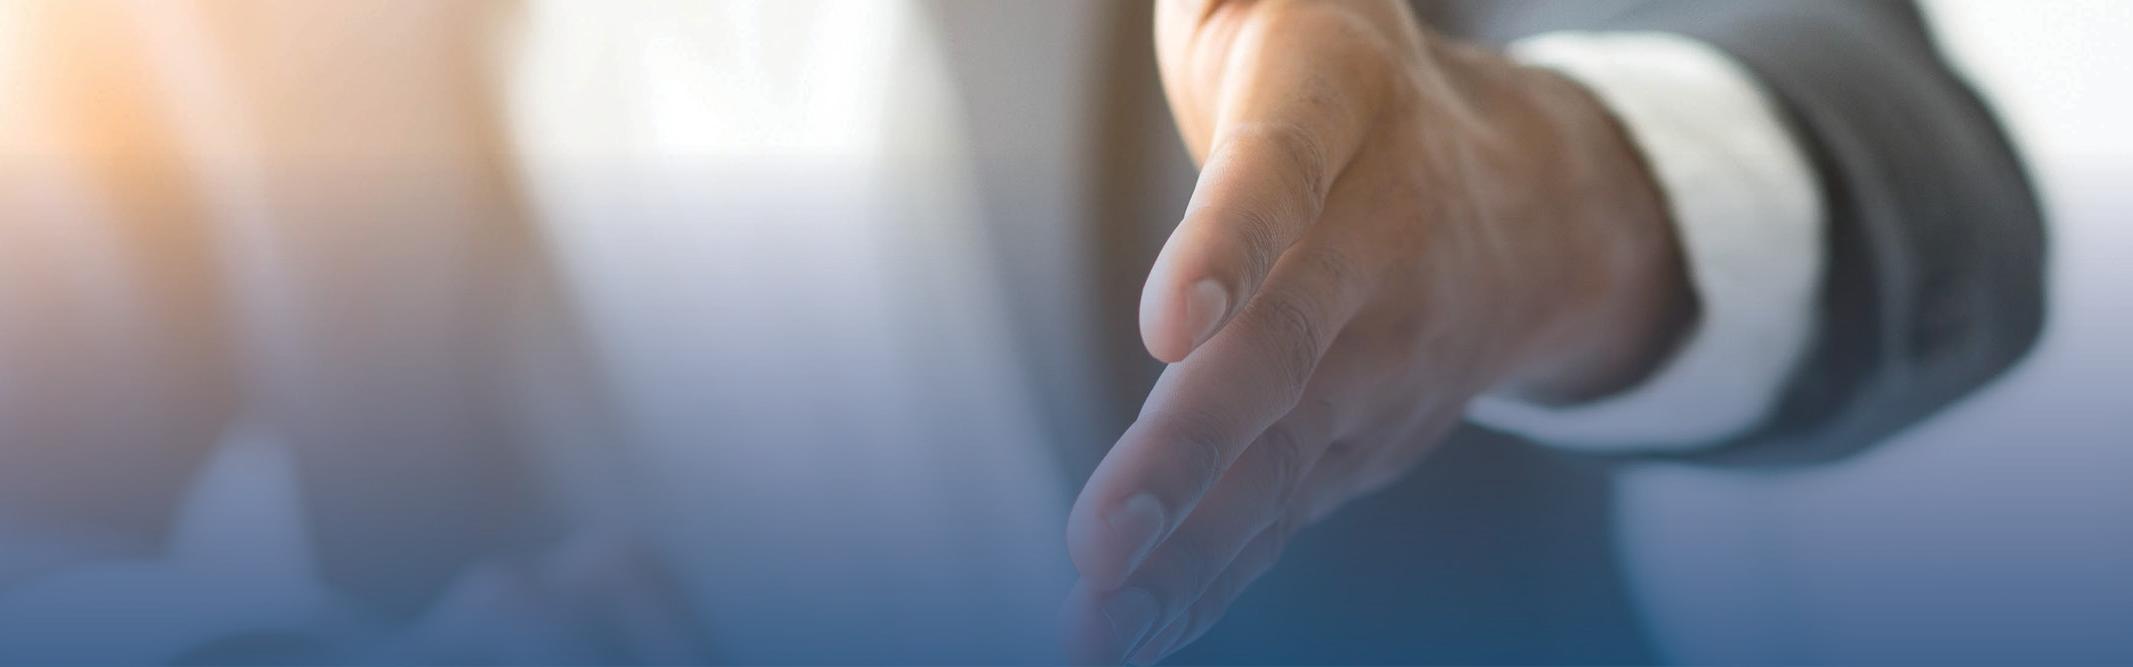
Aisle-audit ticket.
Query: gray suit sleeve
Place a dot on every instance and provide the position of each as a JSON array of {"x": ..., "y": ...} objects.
[{"x": 1935, "y": 278}]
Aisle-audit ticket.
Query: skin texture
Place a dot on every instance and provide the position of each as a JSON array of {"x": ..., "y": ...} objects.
[{"x": 1387, "y": 224}]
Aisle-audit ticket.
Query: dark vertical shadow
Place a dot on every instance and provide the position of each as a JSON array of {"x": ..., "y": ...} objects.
[{"x": 1140, "y": 183}]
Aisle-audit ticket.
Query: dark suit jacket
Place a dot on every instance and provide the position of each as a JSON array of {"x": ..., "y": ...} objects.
[{"x": 1497, "y": 551}]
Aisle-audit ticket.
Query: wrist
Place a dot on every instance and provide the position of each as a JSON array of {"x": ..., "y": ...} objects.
[{"x": 1624, "y": 300}]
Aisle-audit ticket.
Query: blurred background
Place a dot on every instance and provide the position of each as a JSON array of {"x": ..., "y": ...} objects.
[{"x": 307, "y": 309}]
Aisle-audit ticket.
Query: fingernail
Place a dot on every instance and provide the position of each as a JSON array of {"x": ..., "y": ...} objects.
[
  {"x": 1139, "y": 523},
  {"x": 1207, "y": 304},
  {"x": 1132, "y": 613}
]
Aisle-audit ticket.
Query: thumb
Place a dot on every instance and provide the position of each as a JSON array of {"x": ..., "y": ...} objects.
[{"x": 1293, "y": 96}]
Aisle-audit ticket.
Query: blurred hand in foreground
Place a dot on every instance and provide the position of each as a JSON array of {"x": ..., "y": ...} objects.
[{"x": 1388, "y": 223}]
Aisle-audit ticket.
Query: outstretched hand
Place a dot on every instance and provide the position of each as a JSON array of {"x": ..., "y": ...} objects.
[{"x": 1387, "y": 224}]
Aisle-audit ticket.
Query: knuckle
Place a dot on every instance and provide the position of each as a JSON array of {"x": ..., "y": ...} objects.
[
  {"x": 1291, "y": 338},
  {"x": 1198, "y": 441},
  {"x": 1332, "y": 266},
  {"x": 1334, "y": 273},
  {"x": 1197, "y": 564},
  {"x": 1304, "y": 150},
  {"x": 1259, "y": 230},
  {"x": 1301, "y": 148},
  {"x": 1291, "y": 461},
  {"x": 1305, "y": 163}
]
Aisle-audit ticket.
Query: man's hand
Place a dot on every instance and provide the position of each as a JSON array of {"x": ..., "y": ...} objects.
[{"x": 1388, "y": 223}]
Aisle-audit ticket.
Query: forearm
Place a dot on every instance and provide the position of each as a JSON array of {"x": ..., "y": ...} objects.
[{"x": 1862, "y": 241}]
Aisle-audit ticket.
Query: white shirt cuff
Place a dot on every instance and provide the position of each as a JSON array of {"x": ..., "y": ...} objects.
[{"x": 1749, "y": 215}]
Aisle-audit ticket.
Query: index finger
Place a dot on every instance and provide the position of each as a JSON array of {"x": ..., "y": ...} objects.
[{"x": 1205, "y": 412}]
